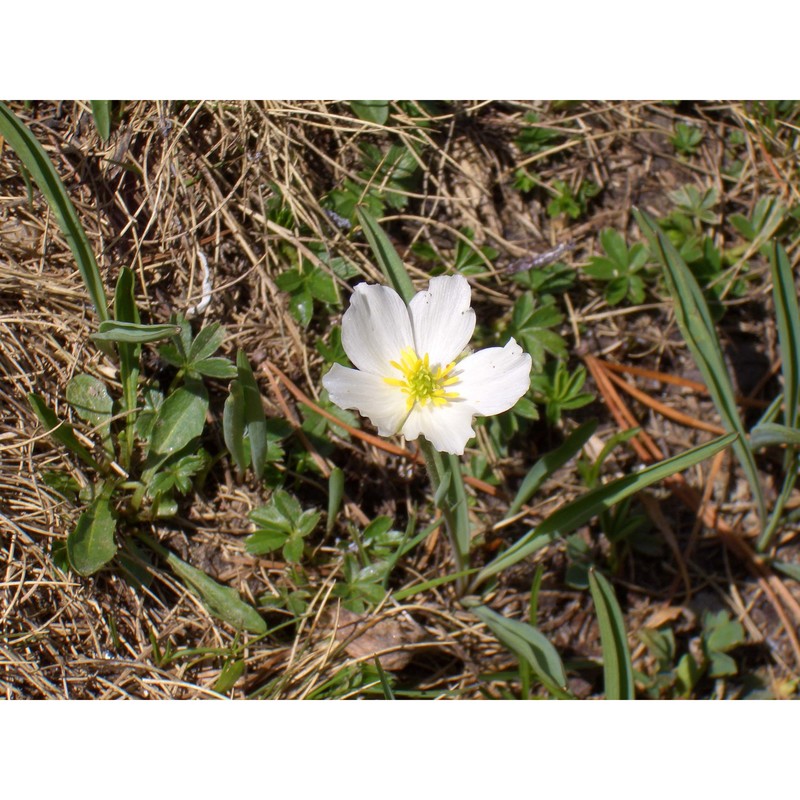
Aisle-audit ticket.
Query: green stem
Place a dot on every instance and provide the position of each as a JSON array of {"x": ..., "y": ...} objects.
[{"x": 453, "y": 505}]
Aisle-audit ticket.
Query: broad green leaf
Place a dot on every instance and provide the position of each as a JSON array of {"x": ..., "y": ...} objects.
[
  {"x": 617, "y": 667},
  {"x": 254, "y": 417},
  {"x": 61, "y": 431},
  {"x": 180, "y": 419},
  {"x": 133, "y": 332},
  {"x": 91, "y": 545},
  {"x": 385, "y": 254},
  {"x": 265, "y": 541},
  {"x": 594, "y": 502},
  {"x": 376, "y": 111},
  {"x": 234, "y": 425},
  {"x": 529, "y": 644},
  {"x": 92, "y": 402},
  {"x": 697, "y": 327},
  {"x": 41, "y": 169},
  {"x": 222, "y": 601},
  {"x": 206, "y": 343},
  {"x": 549, "y": 463},
  {"x": 221, "y": 368},
  {"x": 101, "y": 111}
]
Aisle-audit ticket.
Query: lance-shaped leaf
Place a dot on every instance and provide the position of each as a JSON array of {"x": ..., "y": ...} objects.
[
  {"x": 617, "y": 667},
  {"x": 697, "y": 327}
]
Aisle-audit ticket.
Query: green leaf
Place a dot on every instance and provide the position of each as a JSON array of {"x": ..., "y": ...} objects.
[
  {"x": 222, "y": 601},
  {"x": 617, "y": 667},
  {"x": 697, "y": 327},
  {"x": 181, "y": 418},
  {"x": 385, "y": 254},
  {"x": 91, "y": 545},
  {"x": 322, "y": 287},
  {"x": 335, "y": 495},
  {"x": 594, "y": 502},
  {"x": 92, "y": 402},
  {"x": 61, "y": 431},
  {"x": 125, "y": 310},
  {"x": 770, "y": 434},
  {"x": 265, "y": 541},
  {"x": 234, "y": 426},
  {"x": 301, "y": 305},
  {"x": 101, "y": 111},
  {"x": 133, "y": 332},
  {"x": 549, "y": 463},
  {"x": 41, "y": 169},
  {"x": 376, "y": 111},
  {"x": 221, "y": 368},
  {"x": 293, "y": 549},
  {"x": 254, "y": 417},
  {"x": 231, "y": 672},
  {"x": 530, "y": 645},
  {"x": 206, "y": 343},
  {"x": 787, "y": 312}
]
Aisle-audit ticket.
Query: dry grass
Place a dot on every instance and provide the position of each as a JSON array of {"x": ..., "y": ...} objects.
[{"x": 177, "y": 183}]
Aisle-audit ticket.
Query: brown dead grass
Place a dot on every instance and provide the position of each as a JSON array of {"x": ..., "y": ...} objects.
[{"x": 178, "y": 182}]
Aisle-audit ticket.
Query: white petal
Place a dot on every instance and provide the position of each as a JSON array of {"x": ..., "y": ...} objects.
[
  {"x": 369, "y": 394},
  {"x": 447, "y": 427},
  {"x": 492, "y": 380},
  {"x": 443, "y": 321},
  {"x": 376, "y": 328}
]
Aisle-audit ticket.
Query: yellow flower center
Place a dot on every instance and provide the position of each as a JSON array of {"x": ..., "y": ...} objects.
[{"x": 420, "y": 383}]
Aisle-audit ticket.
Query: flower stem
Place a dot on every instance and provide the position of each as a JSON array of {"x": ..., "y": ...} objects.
[{"x": 451, "y": 499}]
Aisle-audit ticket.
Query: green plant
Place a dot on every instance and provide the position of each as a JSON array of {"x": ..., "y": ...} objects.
[
  {"x": 536, "y": 138},
  {"x": 282, "y": 524},
  {"x": 687, "y": 138},
  {"x": 558, "y": 389},
  {"x": 619, "y": 268},
  {"x": 570, "y": 201},
  {"x": 531, "y": 321},
  {"x": 305, "y": 285}
]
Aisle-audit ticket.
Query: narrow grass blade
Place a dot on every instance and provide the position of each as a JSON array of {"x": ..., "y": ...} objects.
[
  {"x": 530, "y": 645},
  {"x": 91, "y": 545},
  {"x": 254, "y": 417},
  {"x": 549, "y": 463},
  {"x": 101, "y": 111},
  {"x": 697, "y": 327},
  {"x": 386, "y": 687},
  {"x": 133, "y": 332},
  {"x": 617, "y": 667},
  {"x": 386, "y": 256},
  {"x": 335, "y": 495},
  {"x": 594, "y": 502},
  {"x": 61, "y": 431},
  {"x": 41, "y": 169},
  {"x": 787, "y": 313}
]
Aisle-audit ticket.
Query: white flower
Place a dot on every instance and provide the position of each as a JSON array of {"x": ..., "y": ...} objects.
[{"x": 409, "y": 378}]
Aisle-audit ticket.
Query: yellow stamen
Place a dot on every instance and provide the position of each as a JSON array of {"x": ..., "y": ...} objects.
[{"x": 420, "y": 383}]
